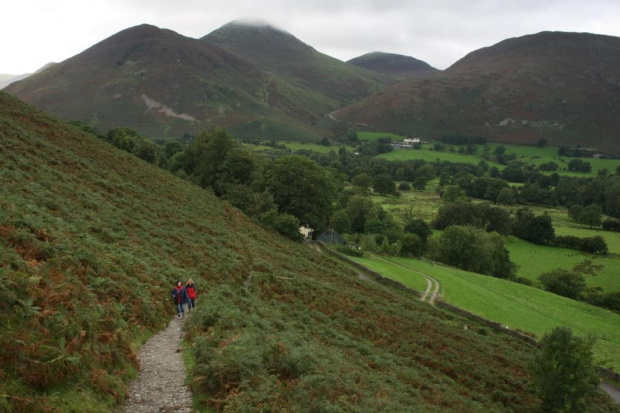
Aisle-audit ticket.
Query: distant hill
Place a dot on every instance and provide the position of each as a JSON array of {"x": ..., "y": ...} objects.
[
  {"x": 6, "y": 80},
  {"x": 92, "y": 239},
  {"x": 394, "y": 65},
  {"x": 563, "y": 87},
  {"x": 161, "y": 83}
]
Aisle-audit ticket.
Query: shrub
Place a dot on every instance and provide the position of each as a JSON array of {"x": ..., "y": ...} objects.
[
  {"x": 562, "y": 282},
  {"x": 611, "y": 225}
]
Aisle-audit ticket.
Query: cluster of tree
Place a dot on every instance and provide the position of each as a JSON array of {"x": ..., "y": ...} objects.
[
  {"x": 575, "y": 152},
  {"x": 577, "y": 165},
  {"x": 590, "y": 245},
  {"x": 590, "y": 215},
  {"x": 129, "y": 141},
  {"x": 611, "y": 225},
  {"x": 572, "y": 284},
  {"x": 472, "y": 249}
]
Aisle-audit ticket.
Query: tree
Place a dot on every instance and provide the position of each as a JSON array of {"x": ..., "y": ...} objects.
[
  {"x": 506, "y": 197},
  {"x": 285, "y": 224},
  {"x": 302, "y": 188},
  {"x": 420, "y": 228},
  {"x": 340, "y": 222},
  {"x": 384, "y": 184},
  {"x": 563, "y": 282},
  {"x": 411, "y": 245},
  {"x": 361, "y": 183},
  {"x": 472, "y": 249},
  {"x": 577, "y": 165},
  {"x": 453, "y": 193},
  {"x": 404, "y": 186},
  {"x": 564, "y": 372},
  {"x": 535, "y": 229},
  {"x": 574, "y": 211},
  {"x": 591, "y": 216},
  {"x": 420, "y": 183},
  {"x": 359, "y": 210},
  {"x": 459, "y": 213}
]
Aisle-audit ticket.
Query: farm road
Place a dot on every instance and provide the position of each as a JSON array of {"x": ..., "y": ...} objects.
[{"x": 432, "y": 285}]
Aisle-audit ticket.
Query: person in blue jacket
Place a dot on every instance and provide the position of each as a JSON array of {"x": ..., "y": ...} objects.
[{"x": 180, "y": 298}]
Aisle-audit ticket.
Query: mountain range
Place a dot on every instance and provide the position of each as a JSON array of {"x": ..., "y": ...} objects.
[
  {"x": 262, "y": 82},
  {"x": 563, "y": 87}
]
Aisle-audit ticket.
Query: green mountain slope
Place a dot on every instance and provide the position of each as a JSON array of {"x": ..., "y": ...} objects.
[
  {"x": 553, "y": 85},
  {"x": 159, "y": 83},
  {"x": 299, "y": 71},
  {"x": 91, "y": 241}
]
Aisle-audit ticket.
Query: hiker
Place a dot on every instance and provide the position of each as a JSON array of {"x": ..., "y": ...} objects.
[
  {"x": 180, "y": 298},
  {"x": 191, "y": 294}
]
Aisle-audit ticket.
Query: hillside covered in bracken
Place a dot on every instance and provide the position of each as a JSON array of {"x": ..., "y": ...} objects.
[{"x": 92, "y": 239}]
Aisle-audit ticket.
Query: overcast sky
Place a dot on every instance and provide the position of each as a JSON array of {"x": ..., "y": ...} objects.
[{"x": 35, "y": 32}]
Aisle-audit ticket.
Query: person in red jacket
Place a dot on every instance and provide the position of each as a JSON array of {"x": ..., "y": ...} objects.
[
  {"x": 191, "y": 293},
  {"x": 180, "y": 297}
]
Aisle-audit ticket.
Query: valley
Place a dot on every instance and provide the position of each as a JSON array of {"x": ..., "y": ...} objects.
[{"x": 152, "y": 157}]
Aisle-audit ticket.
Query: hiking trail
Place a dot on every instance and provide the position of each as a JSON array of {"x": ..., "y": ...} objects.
[{"x": 160, "y": 386}]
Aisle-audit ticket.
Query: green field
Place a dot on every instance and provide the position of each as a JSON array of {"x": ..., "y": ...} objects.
[
  {"x": 527, "y": 154},
  {"x": 533, "y": 260},
  {"x": 514, "y": 305},
  {"x": 373, "y": 136},
  {"x": 296, "y": 146}
]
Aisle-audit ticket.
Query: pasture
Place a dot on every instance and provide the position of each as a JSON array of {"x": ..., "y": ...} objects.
[{"x": 514, "y": 305}]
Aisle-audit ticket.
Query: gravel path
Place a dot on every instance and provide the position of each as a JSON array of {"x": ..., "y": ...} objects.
[{"x": 160, "y": 387}]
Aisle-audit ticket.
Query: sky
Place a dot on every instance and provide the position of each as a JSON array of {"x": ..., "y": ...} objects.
[{"x": 36, "y": 32}]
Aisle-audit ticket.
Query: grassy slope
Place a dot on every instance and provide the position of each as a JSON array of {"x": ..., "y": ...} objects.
[
  {"x": 515, "y": 305},
  {"x": 92, "y": 239}
]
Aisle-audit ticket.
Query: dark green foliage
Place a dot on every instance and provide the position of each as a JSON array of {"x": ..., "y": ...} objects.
[
  {"x": 251, "y": 202},
  {"x": 472, "y": 249},
  {"x": 548, "y": 166},
  {"x": 452, "y": 193},
  {"x": 535, "y": 229},
  {"x": 285, "y": 224},
  {"x": 506, "y": 196},
  {"x": 340, "y": 222},
  {"x": 420, "y": 183},
  {"x": 384, "y": 184},
  {"x": 564, "y": 371},
  {"x": 459, "y": 213},
  {"x": 359, "y": 210},
  {"x": 301, "y": 188},
  {"x": 411, "y": 245},
  {"x": 563, "y": 282},
  {"x": 362, "y": 183},
  {"x": 577, "y": 165},
  {"x": 611, "y": 301},
  {"x": 591, "y": 215},
  {"x": 485, "y": 216},
  {"x": 611, "y": 225},
  {"x": 420, "y": 228},
  {"x": 590, "y": 245},
  {"x": 575, "y": 212},
  {"x": 404, "y": 186}
]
